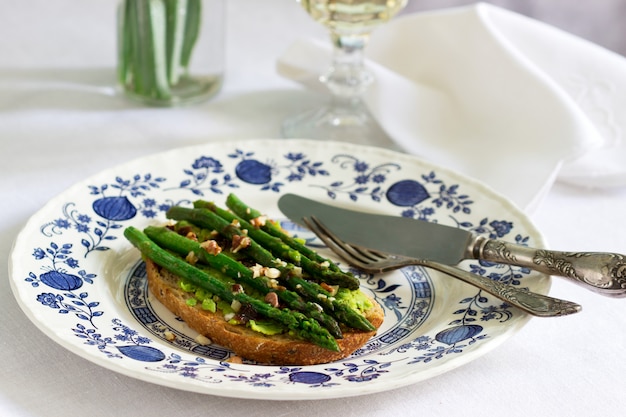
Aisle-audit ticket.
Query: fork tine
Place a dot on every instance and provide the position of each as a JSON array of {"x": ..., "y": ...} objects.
[
  {"x": 359, "y": 252},
  {"x": 321, "y": 232},
  {"x": 362, "y": 252},
  {"x": 335, "y": 244},
  {"x": 365, "y": 259}
]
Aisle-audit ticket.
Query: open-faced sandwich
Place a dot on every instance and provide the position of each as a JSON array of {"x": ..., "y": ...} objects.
[{"x": 241, "y": 281}]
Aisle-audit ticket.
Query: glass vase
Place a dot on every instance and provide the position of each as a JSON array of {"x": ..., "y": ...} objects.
[{"x": 170, "y": 52}]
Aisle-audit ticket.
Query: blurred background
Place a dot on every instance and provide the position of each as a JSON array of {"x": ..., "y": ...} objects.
[
  {"x": 29, "y": 24},
  {"x": 599, "y": 21}
]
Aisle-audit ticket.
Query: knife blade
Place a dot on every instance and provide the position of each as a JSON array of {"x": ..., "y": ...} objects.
[
  {"x": 601, "y": 272},
  {"x": 393, "y": 234}
]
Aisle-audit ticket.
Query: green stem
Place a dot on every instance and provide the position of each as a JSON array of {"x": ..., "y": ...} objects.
[
  {"x": 342, "y": 312},
  {"x": 299, "y": 324},
  {"x": 158, "y": 17},
  {"x": 169, "y": 239},
  {"x": 157, "y": 39},
  {"x": 205, "y": 218},
  {"x": 279, "y": 249},
  {"x": 176, "y": 11},
  {"x": 209, "y": 220},
  {"x": 248, "y": 213},
  {"x": 192, "y": 31},
  {"x": 273, "y": 244}
]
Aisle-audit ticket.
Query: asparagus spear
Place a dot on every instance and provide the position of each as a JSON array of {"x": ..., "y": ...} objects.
[
  {"x": 296, "y": 322},
  {"x": 248, "y": 213},
  {"x": 207, "y": 219},
  {"x": 341, "y": 312},
  {"x": 273, "y": 244},
  {"x": 171, "y": 240},
  {"x": 283, "y": 251}
]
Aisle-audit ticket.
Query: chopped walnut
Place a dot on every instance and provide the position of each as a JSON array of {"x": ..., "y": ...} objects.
[
  {"x": 272, "y": 272},
  {"x": 211, "y": 247},
  {"x": 279, "y": 262},
  {"x": 240, "y": 242},
  {"x": 191, "y": 258},
  {"x": 297, "y": 271},
  {"x": 203, "y": 340},
  {"x": 191, "y": 235},
  {"x": 332, "y": 289},
  {"x": 257, "y": 270},
  {"x": 272, "y": 299},
  {"x": 235, "y": 305},
  {"x": 258, "y": 221}
]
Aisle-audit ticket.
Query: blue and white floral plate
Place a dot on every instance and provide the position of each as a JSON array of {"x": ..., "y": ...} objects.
[{"x": 82, "y": 283}]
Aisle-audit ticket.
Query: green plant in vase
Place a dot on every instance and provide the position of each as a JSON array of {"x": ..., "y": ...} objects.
[{"x": 157, "y": 39}]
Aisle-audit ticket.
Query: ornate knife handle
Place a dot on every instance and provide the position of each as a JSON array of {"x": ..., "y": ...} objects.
[{"x": 604, "y": 273}]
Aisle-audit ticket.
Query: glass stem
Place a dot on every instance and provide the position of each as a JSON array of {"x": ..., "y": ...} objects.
[{"x": 347, "y": 77}]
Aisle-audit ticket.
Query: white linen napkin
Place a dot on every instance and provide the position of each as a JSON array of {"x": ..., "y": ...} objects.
[{"x": 495, "y": 95}]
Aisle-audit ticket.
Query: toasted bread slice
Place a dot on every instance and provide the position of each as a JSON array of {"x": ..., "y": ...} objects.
[{"x": 244, "y": 342}]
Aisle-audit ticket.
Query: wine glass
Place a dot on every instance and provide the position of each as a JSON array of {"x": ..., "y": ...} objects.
[{"x": 346, "y": 117}]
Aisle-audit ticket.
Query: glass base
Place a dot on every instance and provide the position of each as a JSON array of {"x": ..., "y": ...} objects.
[
  {"x": 346, "y": 124},
  {"x": 187, "y": 91}
]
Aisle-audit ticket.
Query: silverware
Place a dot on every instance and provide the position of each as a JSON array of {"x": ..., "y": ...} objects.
[
  {"x": 604, "y": 273},
  {"x": 376, "y": 261}
]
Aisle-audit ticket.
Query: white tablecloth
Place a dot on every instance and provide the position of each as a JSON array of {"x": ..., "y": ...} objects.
[{"x": 60, "y": 122}]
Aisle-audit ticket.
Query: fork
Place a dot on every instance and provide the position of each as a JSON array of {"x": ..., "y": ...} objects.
[{"x": 375, "y": 261}]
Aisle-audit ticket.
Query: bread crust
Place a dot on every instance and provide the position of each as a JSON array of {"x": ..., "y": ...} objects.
[{"x": 246, "y": 343}]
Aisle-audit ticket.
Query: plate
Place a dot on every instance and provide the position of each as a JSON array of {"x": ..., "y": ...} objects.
[{"x": 79, "y": 280}]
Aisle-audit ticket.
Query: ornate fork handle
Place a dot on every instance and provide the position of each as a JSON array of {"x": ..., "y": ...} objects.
[
  {"x": 604, "y": 273},
  {"x": 533, "y": 303}
]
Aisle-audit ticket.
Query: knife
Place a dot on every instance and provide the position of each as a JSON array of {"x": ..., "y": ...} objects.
[{"x": 601, "y": 272}]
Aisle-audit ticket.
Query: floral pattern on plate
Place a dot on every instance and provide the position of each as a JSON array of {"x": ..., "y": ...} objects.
[{"x": 75, "y": 276}]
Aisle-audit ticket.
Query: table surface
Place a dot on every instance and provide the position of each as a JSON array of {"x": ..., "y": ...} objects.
[{"x": 60, "y": 122}]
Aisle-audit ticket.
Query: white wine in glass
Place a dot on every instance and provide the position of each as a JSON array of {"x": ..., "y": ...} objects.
[{"x": 350, "y": 23}]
